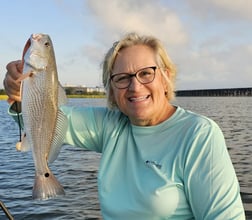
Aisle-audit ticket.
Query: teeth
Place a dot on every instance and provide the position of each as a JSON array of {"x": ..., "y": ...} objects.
[{"x": 138, "y": 99}]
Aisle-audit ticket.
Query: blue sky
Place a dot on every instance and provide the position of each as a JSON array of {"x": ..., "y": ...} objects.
[{"x": 210, "y": 41}]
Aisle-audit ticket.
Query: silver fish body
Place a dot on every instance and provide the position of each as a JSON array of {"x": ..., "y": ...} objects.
[{"x": 44, "y": 123}]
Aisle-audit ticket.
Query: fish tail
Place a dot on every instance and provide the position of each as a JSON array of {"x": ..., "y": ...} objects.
[{"x": 46, "y": 186}]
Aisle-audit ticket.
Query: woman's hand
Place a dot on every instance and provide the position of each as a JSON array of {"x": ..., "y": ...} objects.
[{"x": 11, "y": 82}]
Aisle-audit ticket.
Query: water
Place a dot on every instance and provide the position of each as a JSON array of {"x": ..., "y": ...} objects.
[{"x": 76, "y": 169}]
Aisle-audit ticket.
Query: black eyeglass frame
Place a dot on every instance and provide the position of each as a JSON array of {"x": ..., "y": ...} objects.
[{"x": 134, "y": 74}]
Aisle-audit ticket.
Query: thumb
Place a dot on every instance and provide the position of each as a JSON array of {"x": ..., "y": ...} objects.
[{"x": 19, "y": 66}]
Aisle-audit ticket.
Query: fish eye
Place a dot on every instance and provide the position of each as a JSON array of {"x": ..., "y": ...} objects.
[{"x": 47, "y": 44}]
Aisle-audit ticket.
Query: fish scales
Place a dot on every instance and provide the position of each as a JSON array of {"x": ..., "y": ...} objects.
[{"x": 43, "y": 120}]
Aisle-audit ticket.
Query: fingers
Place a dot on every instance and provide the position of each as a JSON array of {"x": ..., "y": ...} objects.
[
  {"x": 19, "y": 65},
  {"x": 12, "y": 88},
  {"x": 14, "y": 68},
  {"x": 11, "y": 85}
]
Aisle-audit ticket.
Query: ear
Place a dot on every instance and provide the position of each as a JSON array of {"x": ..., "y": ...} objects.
[
  {"x": 165, "y": 78},
  {"x": 167, "y": 72},
  {"x": 165, "y": 75}
]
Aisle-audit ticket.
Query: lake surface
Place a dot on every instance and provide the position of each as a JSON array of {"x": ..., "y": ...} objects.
[{"x": 76, "y": 169}]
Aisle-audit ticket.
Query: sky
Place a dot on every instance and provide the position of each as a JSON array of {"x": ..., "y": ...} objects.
[{"x": 210, "y": 41}]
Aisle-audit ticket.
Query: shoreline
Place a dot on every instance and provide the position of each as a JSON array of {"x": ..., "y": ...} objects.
[
  {"x": 86, "y": 96},
  {"x": 5, "y": 97}
]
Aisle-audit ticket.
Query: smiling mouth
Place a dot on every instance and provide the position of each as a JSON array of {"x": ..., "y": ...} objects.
[{"x": 139, "y": 99}]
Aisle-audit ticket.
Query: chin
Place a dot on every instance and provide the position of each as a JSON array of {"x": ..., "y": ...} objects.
[{"x": 140, "y": 120}]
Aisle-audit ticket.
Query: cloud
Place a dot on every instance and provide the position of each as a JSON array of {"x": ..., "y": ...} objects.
[
  {"x": 146, "y": 17},
  {"x": 213, "y": 68},
  {"x": 224, "y": 9},
  {"x": 208, "y": 40},
  {"x": 241, "y": 8}
]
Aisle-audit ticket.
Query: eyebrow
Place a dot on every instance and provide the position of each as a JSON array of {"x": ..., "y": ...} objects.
[{"x": 132, "y": 72}]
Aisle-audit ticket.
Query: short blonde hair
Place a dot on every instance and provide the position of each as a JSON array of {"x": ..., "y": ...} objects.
[{"x": 163, "y": 61}]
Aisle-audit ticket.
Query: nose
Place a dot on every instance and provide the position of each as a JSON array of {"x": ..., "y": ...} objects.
[{"x": 134, "y": 84}]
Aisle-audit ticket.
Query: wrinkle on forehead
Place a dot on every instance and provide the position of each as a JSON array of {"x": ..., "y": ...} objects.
[{"x": 133, "y": 58}]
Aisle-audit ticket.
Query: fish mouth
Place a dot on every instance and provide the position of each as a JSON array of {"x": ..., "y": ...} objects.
[
  {"x": 26, "y": 47},
  {"x": 139, "y": 98}
]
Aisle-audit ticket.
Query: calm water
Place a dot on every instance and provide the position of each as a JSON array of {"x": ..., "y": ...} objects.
[{"x": 76, "y": 169}]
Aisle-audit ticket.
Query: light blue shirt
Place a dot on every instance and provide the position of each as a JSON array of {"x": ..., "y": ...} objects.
[{"x": 179, "y": 169}]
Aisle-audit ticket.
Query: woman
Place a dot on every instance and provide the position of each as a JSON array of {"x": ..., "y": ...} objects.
[{"x": 159, "y": 161}]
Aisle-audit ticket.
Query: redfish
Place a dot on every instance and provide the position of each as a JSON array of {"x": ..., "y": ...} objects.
[{"x": 45, "y": 124}]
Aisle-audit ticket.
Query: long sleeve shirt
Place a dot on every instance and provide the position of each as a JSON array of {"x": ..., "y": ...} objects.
[{"x": 179, "y": 169}]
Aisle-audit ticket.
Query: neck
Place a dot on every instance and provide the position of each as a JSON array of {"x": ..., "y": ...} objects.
[{"x": 167, "y": 113}]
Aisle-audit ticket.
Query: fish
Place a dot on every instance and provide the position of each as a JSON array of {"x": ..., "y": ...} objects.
[{"x": 45, "y": 125}]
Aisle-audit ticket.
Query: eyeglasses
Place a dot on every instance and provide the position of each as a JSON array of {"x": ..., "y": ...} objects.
[{"x": 123, "y": 80}]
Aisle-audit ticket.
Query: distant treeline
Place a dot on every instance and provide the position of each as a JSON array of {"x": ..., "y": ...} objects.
[
  {"x": 70, "y": 92},
  {"x": 2, "y": 92},
  {"x": 199, "y": 92}
]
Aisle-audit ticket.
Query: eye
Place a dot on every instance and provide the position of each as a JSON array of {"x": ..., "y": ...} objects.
[
  {"x": 121, "y": 77},
  {"x": 47, "y": 44},
  {"x": 145, "y": 73}
]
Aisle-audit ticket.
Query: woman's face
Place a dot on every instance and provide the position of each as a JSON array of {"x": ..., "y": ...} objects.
[{"x": 144, "y": 104}]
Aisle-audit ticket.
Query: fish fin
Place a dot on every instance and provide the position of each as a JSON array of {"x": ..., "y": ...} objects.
[
  {"x": 59, "y": 136},
  {"x": 24, "y": 145},
  {"x": 24, "y": 76},
  {"x": 46, "y": 186},
  {"x": 62, "y": 98}
]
